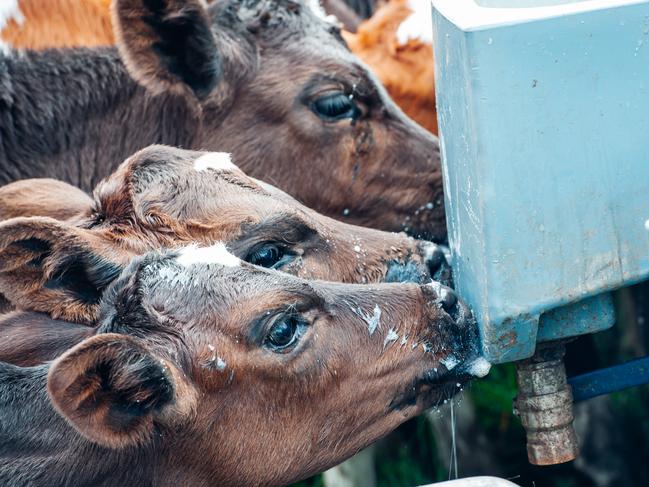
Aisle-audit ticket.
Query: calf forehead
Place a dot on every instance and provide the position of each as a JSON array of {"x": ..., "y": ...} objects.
[
  {"x": 311, "y": 64},
  {"x": 182, "y": 184},
  {"x": 211, "y": 287},
  {"x": 276, "y": 21}
]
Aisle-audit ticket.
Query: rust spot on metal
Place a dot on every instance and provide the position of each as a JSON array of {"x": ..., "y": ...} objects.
[{"x": 508, "y": 340}]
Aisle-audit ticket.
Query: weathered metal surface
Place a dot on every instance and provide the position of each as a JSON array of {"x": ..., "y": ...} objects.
[
  {"x": 610, "y": 379},
  {"x": 543, "y": 127},
  {"x": 544, "y": 404},
  {"x": 586, "y": 316}
]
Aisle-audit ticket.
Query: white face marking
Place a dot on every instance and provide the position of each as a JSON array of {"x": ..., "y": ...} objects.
[
  {"x": 218, "y": 161},
  {"x": 214, "y": 254},
  {"x": 418, "y": 25},
  {"x": 479, "y": 367},
  {"x": 9, "y": 10}
]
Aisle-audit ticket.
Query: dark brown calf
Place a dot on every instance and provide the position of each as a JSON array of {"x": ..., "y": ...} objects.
[
  {"x": 164, "y": 197},
  {"x": 266, "y": 80},
  {"x": 205, "y": 371}
]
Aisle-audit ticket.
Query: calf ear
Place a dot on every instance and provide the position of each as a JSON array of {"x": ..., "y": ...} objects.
[
  {"x": 42, "y": 197},
  {"x": 168, "y": 45},
  {"x": 115, "y": 392},
  {"x": 54, "y": 267}
]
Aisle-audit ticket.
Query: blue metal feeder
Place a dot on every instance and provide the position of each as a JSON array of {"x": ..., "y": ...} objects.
[{"x": 543, "y": 111}]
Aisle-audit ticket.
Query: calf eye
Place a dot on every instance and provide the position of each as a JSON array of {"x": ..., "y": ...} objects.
[
  {"x": 284, "y": 333},
  {"x": 336, "y": 107},
  {"x": 269, "y": 255}
]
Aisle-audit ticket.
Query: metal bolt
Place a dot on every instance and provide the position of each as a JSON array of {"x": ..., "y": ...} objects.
[{"x": 544, "y": 404}]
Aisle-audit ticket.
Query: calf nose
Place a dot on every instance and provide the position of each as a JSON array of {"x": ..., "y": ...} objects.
[
  {"x": 447, "y": 298},
  {"x": 443, "y": 296},
  {"x": 436, "y": 257},
  {"x": 433, "y": 256}
]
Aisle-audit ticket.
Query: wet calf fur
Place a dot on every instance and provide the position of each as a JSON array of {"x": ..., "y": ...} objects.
[
  {"x": 200, "y": 373},
  {"x": 164, "y": 197},
  {"x": 216, "y": 79}
]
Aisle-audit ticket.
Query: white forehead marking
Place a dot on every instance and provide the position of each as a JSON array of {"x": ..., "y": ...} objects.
[
  {"x": 219, "y": 161},
  {"x": 418, "y": 25},
  {"x": 9, "y": 10},
  {"x": 214, "y": 254}
]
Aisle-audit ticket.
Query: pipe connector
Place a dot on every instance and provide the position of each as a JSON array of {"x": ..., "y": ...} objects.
[{"x": 544, "y": 405}]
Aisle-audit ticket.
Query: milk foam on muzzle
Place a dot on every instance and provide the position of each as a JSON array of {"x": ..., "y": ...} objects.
[{"x": 480, "y": 367}]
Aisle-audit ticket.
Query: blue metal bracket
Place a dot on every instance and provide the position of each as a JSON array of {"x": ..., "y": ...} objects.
[{"x": 610, "y": 379}]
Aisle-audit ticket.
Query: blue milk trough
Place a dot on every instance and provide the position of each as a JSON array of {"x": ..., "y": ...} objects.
[{"x": 543, "y": 111}]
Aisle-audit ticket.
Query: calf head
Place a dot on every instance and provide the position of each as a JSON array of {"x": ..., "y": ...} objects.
[
  {"x": 276, "y": 85},
  {"x": 270, "y": 378},
  {"x": 164, "y": 197}
]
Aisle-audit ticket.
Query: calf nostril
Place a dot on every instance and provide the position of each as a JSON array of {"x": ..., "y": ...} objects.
[
  {"x": 434, "y": 257},
  {"x": 444, "y": 297},
  {"x": 447, "y": 298}
]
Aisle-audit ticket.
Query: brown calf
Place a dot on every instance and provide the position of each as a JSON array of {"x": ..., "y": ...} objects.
[
  {"x": 266, "y": 80},
  {"x": 402, "y": 60},
  {"x": 40, "y": 24},
  {"x": 163, "y": 197},
  {"x": 204, "y": 371}
]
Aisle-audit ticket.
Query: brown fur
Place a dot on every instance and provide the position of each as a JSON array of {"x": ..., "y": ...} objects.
[
  {"x": 42, "y": 197},
  {"x": 380, "y": 170},
  {"x": 179, "y": 384},
  {"x": 60, "y": 23},
  {"x": 28, "y": 338},
  {"x": 406, "y": 70},
  {"x": 157, "y": 199}
]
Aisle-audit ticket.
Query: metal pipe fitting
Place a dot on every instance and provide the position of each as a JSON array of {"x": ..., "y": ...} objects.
[{"x": 544, "y": 405}]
